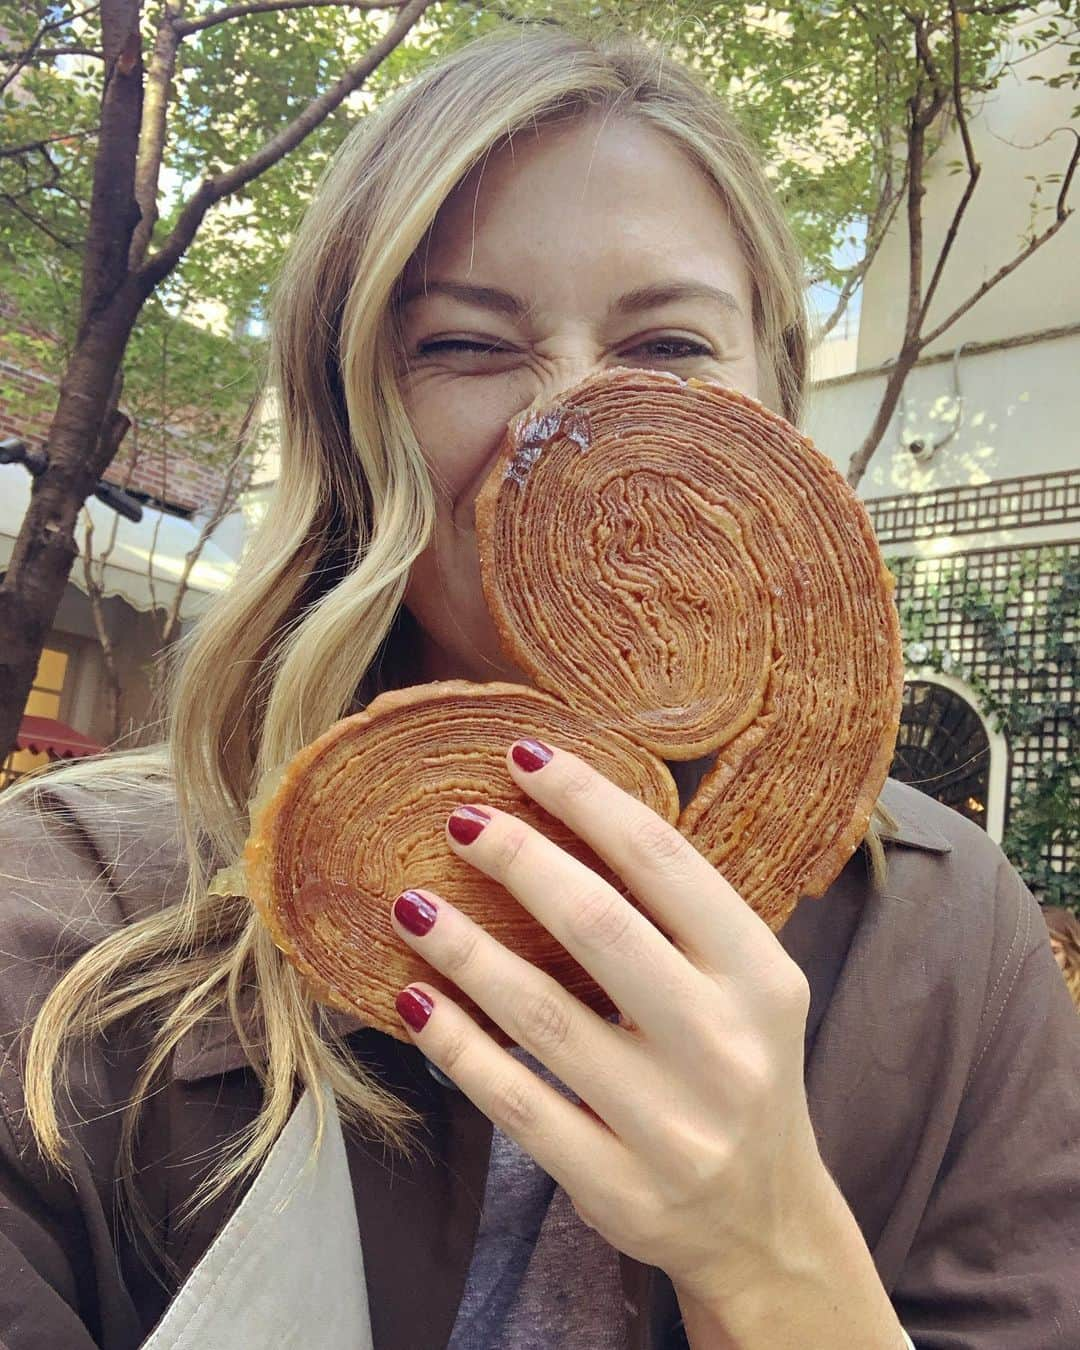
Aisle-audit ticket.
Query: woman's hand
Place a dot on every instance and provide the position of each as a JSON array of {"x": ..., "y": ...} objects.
[{"x": 700, "y": 1156}]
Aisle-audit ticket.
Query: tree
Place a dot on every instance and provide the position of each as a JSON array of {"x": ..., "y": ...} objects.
[
  {"x": 137, "y": 228},
  {"x": 851, "y": 104},
  {"x": 946, "y": 73}
]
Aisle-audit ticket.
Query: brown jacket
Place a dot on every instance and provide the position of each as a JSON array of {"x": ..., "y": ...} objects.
[{"x": 942, "y": 1071}]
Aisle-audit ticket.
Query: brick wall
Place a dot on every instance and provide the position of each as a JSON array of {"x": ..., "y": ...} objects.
[{"x": 170, "y": 478}]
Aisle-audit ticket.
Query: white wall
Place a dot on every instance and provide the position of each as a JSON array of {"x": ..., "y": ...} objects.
[
  {"x": 1044, "y": 292},
  {"x": 1021, "y": 416}
]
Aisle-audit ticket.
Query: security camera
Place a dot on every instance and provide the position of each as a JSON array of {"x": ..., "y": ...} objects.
[{"x": 919, "y": 449}]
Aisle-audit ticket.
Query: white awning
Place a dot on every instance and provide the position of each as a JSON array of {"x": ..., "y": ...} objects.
[{"x": 146, "y": 560}]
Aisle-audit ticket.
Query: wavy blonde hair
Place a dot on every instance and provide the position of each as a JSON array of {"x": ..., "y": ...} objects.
[
  {"x": 1064, "y": 927},
  {"x": 314, "y": 621}
]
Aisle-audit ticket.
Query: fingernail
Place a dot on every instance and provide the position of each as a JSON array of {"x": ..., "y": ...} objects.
[
  {"x": 466, "y": 823},
  {"x": 415, "y": 912},
  {"x": 530, "y": 755},
  {"x": 415, "y": 1007}
]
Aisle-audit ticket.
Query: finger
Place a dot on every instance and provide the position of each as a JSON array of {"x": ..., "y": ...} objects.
[
  {"x": 647, "y": 978},
  {"x": 686, "y": 895},
  {"x": 568, "y": 1144},
  {"x": 589, "y": 1054}
]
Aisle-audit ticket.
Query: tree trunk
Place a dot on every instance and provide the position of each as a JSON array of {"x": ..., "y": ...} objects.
[
  {"x": 87, "y": 428},
  {"x": 80, "y": 446}
]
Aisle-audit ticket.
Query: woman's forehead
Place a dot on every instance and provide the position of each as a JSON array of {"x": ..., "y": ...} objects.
[{"x": 612, "y": 193}]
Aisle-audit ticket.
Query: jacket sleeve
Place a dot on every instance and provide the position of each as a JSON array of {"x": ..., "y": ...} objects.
[
  {"x": 996, "y": 1260},
  {"x": 39, "y": 1291},
  {"x": 59, "y": 1282}
]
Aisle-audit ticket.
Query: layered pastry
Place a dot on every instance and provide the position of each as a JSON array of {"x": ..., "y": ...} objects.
[
  {"x": 682, "y": 564},
  {"x": 360, "y": 814},
  {"x": 681, "y": 574}
]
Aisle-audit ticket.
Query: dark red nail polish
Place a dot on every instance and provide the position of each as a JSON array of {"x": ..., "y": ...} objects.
[
  {"x": 530, "y": 755},
  {"x": 415, "y": 1007},
  {"x": 415, "y": 912},
  {"x": 466, "y": 823}
]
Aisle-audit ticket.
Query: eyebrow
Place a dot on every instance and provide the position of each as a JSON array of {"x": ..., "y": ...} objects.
[
  {"x": 483, "y": 297},
  {"x": 666, "y": 292},
  {"x": 633, "y": 302}
]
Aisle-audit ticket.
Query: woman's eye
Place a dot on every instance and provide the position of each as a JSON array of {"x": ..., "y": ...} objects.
[
  {"x": 467, "y": 345},
  {"x": 670, "y": 349}
]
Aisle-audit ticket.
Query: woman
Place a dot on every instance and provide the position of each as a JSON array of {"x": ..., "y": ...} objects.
[{"x": 812, "y": 1141}]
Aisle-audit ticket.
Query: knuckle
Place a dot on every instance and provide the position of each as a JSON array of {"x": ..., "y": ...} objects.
[
  {"x": 601, "y": 919},
  {"x": 755, "y": 1070},
  {"x": 513, "y": 1107},
  {"x": 452, "y": 1052},
  {"x": 794, "y": 991},
  {"x": 548, "y": 1022},
  {"x": 784, "y": 988},
  {"x": 508, "y": 847},
  {"x": 579, "y": 782},
  {"x": 460, "y": 954},
  {"x": 652, "y": 840}
]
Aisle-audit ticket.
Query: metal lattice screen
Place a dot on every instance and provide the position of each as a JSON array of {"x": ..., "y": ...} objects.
[
  {"x": 1035, "y": 499},
  {"x": 1003, "y": 621}
]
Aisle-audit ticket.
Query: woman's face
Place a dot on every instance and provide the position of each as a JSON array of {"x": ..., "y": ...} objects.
[{"x": 591, "y": 245}]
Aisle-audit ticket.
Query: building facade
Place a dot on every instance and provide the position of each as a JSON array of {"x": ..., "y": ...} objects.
[
  {"x": 136, "y": 578},
  {"x": 975, "y": 490}
]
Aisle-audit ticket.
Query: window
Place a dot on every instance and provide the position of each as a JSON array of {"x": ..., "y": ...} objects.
[
  {"x": 44, "y": 701},
  {"x": 943, "y": 750}
]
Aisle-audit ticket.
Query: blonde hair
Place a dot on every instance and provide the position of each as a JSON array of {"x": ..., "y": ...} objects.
[
  {"x": 1064, "y": 927},
  {"x": 314, "y": 622}
]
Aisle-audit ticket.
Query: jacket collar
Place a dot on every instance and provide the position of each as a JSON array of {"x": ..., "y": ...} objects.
[{"x": 912, "y": 812}]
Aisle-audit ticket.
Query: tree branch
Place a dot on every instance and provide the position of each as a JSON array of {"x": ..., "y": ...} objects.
[
  {"x": 189, "y": 26},
  {"x": 50, "y": 53},
  {"x": 922, "y": 116},
  {"x": 212, "y": 190},
  {"x": 876, "y": 232},
  {"x": 11, "y": 151},
  {"x": 1062, "y": 214},
  {"x": 998, "y": 11},
  {"x": 95, "y": 590},
  {"x": 152, "y": 130},
  {"x": 38, "y": 224},
  {"x": 973, "y": 165},
  {"x": 113, "y": 213},
  {"x": 226, "y": 501},
  {"x": 23, "y": 58}
]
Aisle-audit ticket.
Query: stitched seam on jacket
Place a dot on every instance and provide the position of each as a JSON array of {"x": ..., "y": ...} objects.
[
  {"x": 1025, "y": 917},
  {"x": 1005, "y": 964}
]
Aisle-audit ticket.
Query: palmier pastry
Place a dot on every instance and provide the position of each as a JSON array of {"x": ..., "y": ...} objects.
[
  {"x": 360, "y": 814},
  {"x": 680, "y": 562},
  {"x": 687, "y": 576}
]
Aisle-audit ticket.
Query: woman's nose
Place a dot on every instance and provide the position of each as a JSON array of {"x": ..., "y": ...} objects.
[{"x": 567, "y": 372}]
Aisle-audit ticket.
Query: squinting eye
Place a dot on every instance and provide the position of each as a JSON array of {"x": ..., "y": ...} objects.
[
  {"x": 460, "y": 345},
  {"x": 671, "y": 349}
]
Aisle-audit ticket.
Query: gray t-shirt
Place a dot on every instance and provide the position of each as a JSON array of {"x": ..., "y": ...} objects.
[{"x": 540, "y": 1278}]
